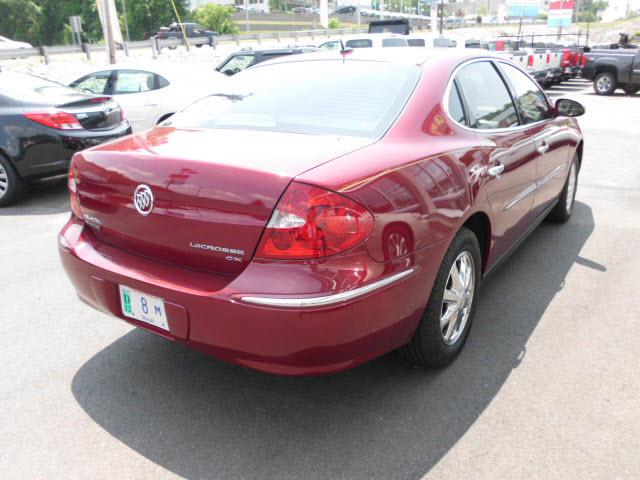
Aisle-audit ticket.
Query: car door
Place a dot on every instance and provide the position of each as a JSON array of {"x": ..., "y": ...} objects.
[
  {"x": 548, "y": 133},
  {"x": 508, "y": 149},
  {"x": 635, "y": 69},
  {"x": 136, "y": 92}
]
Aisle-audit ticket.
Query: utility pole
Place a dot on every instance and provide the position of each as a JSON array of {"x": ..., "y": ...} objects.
[
  {"x": 521, "y": 15},
  {"x": 560, "y": 21},
  {"x": 441, "y": 16},
  {"x": 126, "y": 21},
  {"x": 246, "y": 15},
  {"x": 111, "y": 45}
]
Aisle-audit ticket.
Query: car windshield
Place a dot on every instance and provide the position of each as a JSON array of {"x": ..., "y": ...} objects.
[{"x": 358, "y": 98}]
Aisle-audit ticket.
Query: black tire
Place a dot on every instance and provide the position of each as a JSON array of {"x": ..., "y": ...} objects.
[
  {"x": 564, "y": 208},
  {"x": 11, "y": 185},
  {"x": 428, "y": 347},
  {"x": 631, "y": 89},
  {"x": 605, "y": 83}
]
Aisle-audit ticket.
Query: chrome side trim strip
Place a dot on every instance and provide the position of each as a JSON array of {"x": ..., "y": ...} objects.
[
  {"x": 550, "y": 175},
  {"x": 533, "y": 187},
  {"x": 327, "y": 299},
  {"x": 527, "y": 191}
]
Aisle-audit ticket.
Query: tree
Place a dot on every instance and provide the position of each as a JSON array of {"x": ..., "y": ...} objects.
[
  {"x": 218, "y": 18},
  {"x": 588, "y": 11},
  {"x": 20, "y": 20},
  {"x": 147, "y": 16}
]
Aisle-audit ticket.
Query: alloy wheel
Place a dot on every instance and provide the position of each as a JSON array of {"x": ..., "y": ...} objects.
[
  {"x": 458, "y": 298},
  {"x": 603, "y": 84},
  {"x": 571, "y": 187},
  {"x": 4, "y": 181}
]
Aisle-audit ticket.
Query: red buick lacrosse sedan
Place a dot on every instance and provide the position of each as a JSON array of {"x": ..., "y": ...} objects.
[{"x": 326, "y": 210}]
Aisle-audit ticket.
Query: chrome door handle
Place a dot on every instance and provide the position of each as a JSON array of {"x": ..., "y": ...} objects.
[
  {"x": 544, "y": 148},
  {"x": 150, "y": 104},
  {"x": 496, "y": 170}
]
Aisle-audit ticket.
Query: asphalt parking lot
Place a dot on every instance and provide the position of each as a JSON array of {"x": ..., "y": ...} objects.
[{"x": 547, "y": 386}]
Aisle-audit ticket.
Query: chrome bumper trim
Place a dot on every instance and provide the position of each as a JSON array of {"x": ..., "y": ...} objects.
[{"x": 327, "y": 299}]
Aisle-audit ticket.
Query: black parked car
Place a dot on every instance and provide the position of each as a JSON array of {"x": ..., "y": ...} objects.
[
  {"x": 43, "y": 123},
  {"x": 245, "y": 58}
]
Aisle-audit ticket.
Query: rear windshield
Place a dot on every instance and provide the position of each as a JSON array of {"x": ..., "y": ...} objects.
[{"x": 358, "y": 98}]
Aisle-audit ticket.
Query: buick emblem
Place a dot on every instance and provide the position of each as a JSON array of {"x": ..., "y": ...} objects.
[{"x": 143, "y": 199}]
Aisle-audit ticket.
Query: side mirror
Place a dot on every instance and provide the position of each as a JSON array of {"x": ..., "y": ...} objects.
[{"x": 565, "y": 107}]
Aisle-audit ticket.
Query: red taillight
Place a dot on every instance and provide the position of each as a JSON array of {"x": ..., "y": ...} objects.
[
  {"x": 566, "y": 58},
  {"x": 310, "y": 222},
  {"x": 583, "y": 60},
  {"x": 74, "y": 200},
  {"x": 55, "y": 119},
  {"x": 548, "y": 58},
  {"x": 530, "y": 61}
]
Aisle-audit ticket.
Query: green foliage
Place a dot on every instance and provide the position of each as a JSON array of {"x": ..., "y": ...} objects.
[
  {"x": 46, "y": 22},
  {"x": 588, "y": 10},
  {"x": 277, "y": 5},
  {"x": 218, "y": 18},
  {"x": 20, "y": 20},
  {"x": 147, "y": 16},
  {"x": 334, "y": 23},
  {"x": 543, "y": 16}
]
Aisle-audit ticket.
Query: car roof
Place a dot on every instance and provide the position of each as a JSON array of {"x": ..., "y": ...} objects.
[
  {"x": 272, "y": 50},
  {"x": 416, "y": 56}
]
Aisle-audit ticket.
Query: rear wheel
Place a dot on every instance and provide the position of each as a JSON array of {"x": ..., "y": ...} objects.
[
  {"x": 11, "y": 185},
  {"x": 605, "y": 83},
  {"x": 447, "y": 319},
  {"x": 563, "y": 209}
]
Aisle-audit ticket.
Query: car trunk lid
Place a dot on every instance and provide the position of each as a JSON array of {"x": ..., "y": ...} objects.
[{"x": 213, "y": 190}]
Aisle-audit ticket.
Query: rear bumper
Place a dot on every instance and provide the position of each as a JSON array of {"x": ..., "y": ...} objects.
[
  {"x": 220, "y": 315},
  {"x": 51, "y": 152}
]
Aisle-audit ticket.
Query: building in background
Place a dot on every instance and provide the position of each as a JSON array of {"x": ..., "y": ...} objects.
[{"x": 620, "y": 9}]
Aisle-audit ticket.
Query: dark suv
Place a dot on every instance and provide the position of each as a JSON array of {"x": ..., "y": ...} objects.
[{"x": 247, "y": 57}]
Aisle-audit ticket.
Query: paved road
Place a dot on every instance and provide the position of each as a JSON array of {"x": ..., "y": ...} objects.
[{"x": 547, "y": 386}]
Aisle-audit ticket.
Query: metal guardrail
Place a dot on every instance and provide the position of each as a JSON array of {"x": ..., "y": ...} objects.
[{"x": 156, "y": 45}]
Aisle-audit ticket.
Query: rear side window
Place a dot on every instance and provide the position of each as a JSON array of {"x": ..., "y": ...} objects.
[
  {"x": 455, "y": 105},
  {"x": 359, "y": 43},
  {"x": 532, "y": 102},
  {"x": 489, "y": 104},
  {"x": 134, "y": 81},
  {"x": 416, "y": 42},
  {"x": 394, "y": 42}
]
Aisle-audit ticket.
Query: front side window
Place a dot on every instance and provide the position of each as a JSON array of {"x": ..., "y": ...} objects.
[
  {"x": 532, "y": 102},
  {"x": 134, "y": 81},
  {"x": 489, "y": 104},
  {"x": 330, "y": 46},
  {"x": 94, "y": 83},
  {"x": 332, "y": 97}
]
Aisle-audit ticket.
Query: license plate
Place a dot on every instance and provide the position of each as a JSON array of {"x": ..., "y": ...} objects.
[{"x": 143, "y": 307}]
